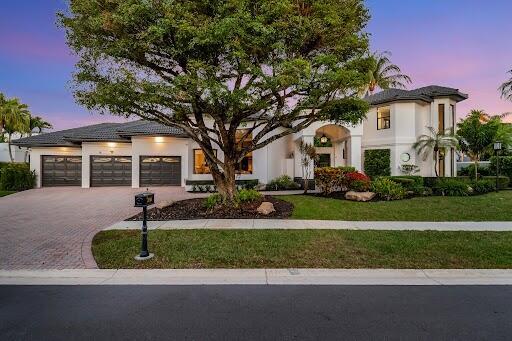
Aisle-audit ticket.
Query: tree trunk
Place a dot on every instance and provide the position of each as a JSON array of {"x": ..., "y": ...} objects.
[
  {"x": 435, "y": 163},
  {"x": 476, "y": 169},
  {"x": 225, "y": 182},
  {"x": 9, "y": 146},
  {"x": 25, "y": 158}
]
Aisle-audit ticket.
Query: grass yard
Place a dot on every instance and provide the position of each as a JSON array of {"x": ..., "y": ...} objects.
[
  {"x": 305, "y": 249},
  {"x": 4, "y": 193},
  {"x": 488, "y": 207}
]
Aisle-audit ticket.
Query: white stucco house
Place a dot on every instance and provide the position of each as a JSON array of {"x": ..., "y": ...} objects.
[{"x": 145, "y": 154}]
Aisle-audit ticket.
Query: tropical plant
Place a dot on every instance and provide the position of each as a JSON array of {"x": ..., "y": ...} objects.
[
  {"x": 506, "y": 88},
  {"x": 308, "y": 157},
  {"x": 211, "y": 67},
  {"x": 387, "y": 189},
  {"x": 436, "y": 143},
  {"x": 15, "y": 122},
  {"x": 383, "y": 74},
  {"x": 476, "y": 135},
  {"x": 36, "y": 123}
]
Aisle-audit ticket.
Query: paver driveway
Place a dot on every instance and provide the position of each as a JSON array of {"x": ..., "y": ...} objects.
[{"x": 51, "y": 228}]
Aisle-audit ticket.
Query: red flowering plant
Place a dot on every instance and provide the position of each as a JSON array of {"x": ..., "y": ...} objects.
[{"x": 357, "y": 181}]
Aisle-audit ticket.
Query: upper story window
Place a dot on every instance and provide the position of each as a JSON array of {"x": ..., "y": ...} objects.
[
  {"x": 383, "y": 118},
  {"x": 244, "y": 166},
  {"x": 200, "y": 165},
  {"x": 440, "y": 115},
  {"x": 454, "y": 119}
]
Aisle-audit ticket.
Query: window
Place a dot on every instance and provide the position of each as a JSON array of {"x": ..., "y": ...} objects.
[
  {"x": 200, "y": 165},
  {"x": 244, "y": 166},
  {"x": 383, "y": 118},
  {"x": 441, "y": 164},
  {"x": 440, "y": 115},
  {"x": 452, "y": 162}
]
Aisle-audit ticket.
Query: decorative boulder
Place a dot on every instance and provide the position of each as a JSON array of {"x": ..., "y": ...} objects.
[
  {"x": 163, "y": 204},
  {"x": 359, "y": 196},
  {"x": 266, "y": 208}
]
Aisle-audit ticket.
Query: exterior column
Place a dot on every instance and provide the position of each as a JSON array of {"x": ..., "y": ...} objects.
[{"x": 355, "y": 151}]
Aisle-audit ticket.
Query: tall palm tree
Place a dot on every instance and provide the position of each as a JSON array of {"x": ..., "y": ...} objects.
[
  {"x": 36, "y": 123},
  {"x": 436, "y": 143},
  {"x": 385, "y": 75},
  {"x": 506, "y": 88},
  {"x": 15, "y": 119}
]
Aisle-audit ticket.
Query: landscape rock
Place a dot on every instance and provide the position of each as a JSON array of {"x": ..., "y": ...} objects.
[
  {"x": 266, "y": 208},
  {"x": 359, "y": 196}
]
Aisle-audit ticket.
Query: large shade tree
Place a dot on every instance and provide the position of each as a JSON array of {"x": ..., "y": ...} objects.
[{"x": 214, "y": 67}]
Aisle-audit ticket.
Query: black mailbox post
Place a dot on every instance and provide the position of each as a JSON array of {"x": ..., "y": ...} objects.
[{"x": 144, "y": 200}]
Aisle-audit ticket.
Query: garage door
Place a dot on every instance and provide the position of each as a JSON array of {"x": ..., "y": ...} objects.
[
  {"x": 61, "y": 170},
  {"x": 160, "y": 171},
  {"x": 111, "y": 171}
]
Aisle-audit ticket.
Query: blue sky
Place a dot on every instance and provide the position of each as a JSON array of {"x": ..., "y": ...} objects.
[{"x": 460, "y": 43}]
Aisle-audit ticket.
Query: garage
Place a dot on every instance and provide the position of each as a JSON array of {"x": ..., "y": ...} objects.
[
  {"x": 160, "y": 171},
  {"x": 111, "y": 171},
  {"x": 61, "y": 170}
]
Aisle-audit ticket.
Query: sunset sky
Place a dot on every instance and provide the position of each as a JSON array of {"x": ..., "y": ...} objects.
[{"x": 464, "y": 44}]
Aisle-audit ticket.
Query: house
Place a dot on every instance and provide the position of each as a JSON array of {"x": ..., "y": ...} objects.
[{"x": 143, "y": 153}]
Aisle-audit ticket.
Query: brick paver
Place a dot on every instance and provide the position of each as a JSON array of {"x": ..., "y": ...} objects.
[{"x": 51, "y": 228}]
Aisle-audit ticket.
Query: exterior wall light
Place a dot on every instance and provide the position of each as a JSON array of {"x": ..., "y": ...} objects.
[
  {"x": 159, "y": 139},
  {"x": 111, "y": 144},
  {"x": 323, "y": 139}
]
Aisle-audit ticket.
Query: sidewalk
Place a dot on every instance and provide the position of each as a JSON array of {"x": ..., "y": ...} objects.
[
  {"x": 257, "y": 277},
  {"x": 316, "y": 224}
]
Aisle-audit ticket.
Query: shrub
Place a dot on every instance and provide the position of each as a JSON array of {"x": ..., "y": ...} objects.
[
  {"x": 503, "y": 181},
  {"x": 17, "y": 177},
  {"x": 247, "y": 195},
  {"x": 284, "y": 182},
  {"x": 483, "y": 170},
  {"x": 213, "y": 200},
  {"x": 451, "y": 187},
  {"x": 357, "y": 181},
  {"x": 250, "y": 184},
  {"x": 387, "y": 189},
  {"x": 377, "y": 162},
  {"x": 483, "y": 186},
  {"x": 328, "y": 179},
  {"x": 505, "y": 166}
]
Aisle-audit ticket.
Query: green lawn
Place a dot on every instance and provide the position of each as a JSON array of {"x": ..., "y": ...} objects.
[
  {"x": 305, "y": 249},
  {"x": 4, "y": 193},
  {"x": 488, "y": 207}
]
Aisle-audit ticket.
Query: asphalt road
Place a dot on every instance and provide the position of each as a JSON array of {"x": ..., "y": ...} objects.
[{"x": 256, "y": 312}]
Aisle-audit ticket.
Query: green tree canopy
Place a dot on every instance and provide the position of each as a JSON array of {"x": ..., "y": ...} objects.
[{"x": 212, "y": 67}]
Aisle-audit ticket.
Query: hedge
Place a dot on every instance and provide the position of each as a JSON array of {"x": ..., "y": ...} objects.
[
  {"x": 505, "y": 165},
  {"x": 377, "y": 162},
  {"x": 17, "y": 177}
]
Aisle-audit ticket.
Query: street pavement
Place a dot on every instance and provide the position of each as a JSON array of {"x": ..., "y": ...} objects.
[{"x": 254, "y": 312}]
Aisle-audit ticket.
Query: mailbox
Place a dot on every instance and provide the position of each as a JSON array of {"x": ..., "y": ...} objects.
[{"x": 144, "y": 199}]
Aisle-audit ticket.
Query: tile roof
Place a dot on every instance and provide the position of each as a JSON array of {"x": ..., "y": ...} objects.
[
  {"x": 118, "y": 132},
  {"x": 426, "y": 94}
]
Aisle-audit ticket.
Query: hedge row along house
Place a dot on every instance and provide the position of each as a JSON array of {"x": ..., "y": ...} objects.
[{"x": 144, "y": 154}]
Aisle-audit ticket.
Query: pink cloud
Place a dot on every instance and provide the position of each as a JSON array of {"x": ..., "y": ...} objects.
[{"x": 30, "y": 46}]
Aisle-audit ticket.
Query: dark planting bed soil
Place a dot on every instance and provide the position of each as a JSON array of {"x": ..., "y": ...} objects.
[
  {"x": 333, "y": 195},
  {"x": 195, "y": 209}
]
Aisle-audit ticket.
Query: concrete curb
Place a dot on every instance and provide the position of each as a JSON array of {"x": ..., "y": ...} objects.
[
  {"x": 258, "y": 277},
  {"x": 316, "y": 224}
]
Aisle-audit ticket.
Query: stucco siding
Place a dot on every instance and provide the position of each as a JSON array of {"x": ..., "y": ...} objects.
[{"x": 37, "y": 152}]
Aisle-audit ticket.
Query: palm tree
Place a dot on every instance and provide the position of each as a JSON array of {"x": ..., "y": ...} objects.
[
  {"x": 506, "y": 88},
  {"x": 385, "y": 75},
  {"x": 437, "y": 142},
  {"x": 15, "y": 119},
  {"x": 36, "y": 123}
]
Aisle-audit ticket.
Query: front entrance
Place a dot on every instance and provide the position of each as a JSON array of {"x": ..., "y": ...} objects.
[
  {"x": 324, "y": 160},
  {"x": 111, "y": 171}
]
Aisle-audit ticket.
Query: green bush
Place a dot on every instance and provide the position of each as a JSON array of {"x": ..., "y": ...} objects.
[
  {"x": 505, "y": 166},
  {"x": 483, "y": 170},
  {"x": 329, "y": 179},
  {"x": 451, "y": 187},
  {"x": 213, "y": 200},
  {"x": 17, "y": 177},
  {"x": 503, "y": 181},
  {"x": 387, "y": 189},
  {"x": 249, "y": 184},
  {"x": 377, "y": 162},
  {"x": 483, "y": 186},
  {"x": 247, "y": 195},
  {"x": 284, "y": 182}
]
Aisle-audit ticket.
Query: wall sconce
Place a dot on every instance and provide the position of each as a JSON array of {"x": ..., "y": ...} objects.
[{"x": 159, "y": 139}]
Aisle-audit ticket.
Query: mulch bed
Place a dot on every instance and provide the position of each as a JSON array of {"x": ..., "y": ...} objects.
[
  {"x": 333, "y": 195},
  {"x": 195, "y": 209}
]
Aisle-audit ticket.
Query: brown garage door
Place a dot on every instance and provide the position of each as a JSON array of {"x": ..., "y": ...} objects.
[
  {"x": 111, "y": 171},
  {"x": 160, "y": 171},
  {"x": 61, "y": 170}
]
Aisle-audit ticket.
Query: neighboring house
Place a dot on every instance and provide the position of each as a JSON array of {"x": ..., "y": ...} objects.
[
  {"x": 143, "y": 153},
  {"x": 18, "y": 153}
]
